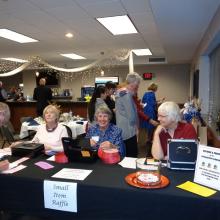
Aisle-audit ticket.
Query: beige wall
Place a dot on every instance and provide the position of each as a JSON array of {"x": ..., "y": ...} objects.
[{"x": 173, "y": 80}]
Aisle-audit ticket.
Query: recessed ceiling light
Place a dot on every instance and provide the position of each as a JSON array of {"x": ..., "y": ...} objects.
[
  {"x": 142, "y": 52},
  {"x": 15, "y": 60},
  {"x": 69, "y": 35},
  {"x": 73, "y": 56},
  {"x": 11, "y": 35},
  {"x": 118, "y": 24}
]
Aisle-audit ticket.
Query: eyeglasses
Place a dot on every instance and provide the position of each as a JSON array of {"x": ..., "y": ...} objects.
[{"x": 162, "y": 116}]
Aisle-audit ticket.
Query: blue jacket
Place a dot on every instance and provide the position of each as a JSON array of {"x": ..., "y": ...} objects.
[{"x": 111, "y": 134}]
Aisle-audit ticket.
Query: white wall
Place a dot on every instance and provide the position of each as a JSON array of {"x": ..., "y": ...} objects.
[
  {"x": 209, "y": 42},
  {"x": 204, "y": 85},
  {"x": 173, "y": 80}
]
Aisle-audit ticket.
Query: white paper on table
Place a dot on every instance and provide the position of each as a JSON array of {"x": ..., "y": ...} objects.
[
  {"x": 128, "y": 162},
  {"x": 52, "y": 158},
  {"x": 73, "y": 174},
  {"x": 14, "y": 169},
  {"x": 17, "y": 162}
]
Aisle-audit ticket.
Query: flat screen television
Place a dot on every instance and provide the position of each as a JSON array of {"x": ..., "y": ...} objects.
[
  {"x": 101, "y": 81},
  {"x": 52, "y": 78}
]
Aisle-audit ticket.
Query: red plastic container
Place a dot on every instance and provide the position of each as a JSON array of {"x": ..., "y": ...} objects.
[
  {"x": 61, "y": 158},
  {"x": 109, "y": 156}
]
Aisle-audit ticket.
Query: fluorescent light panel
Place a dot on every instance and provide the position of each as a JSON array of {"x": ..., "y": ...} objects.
[
  {"x": 11, "y": 35},
  {"x": 15, "y": 60},
  {"x": 69, "y": 35},
  {"x": 142, "y": 52},
  {"x": 118, "y": 25},
  {"x": 73, "y": 56}
]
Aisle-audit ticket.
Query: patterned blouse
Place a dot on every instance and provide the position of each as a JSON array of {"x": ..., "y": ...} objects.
[{"x": 112, "y": 134}]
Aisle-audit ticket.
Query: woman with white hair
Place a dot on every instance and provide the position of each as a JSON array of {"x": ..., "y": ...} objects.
[
  {"x": 126, "y": 113},
  {"x": 104, "y": 134},
  {"x": 170, "y": 127}
]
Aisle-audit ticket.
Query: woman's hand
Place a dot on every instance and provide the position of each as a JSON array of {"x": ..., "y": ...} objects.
[
  {"x": 106, "y": 145},
  {"x": 46, "y": 147},
  {"x": 159, "y": 129},
  {"x": 92, "y": 142},
  {"x": 16, "y": 143},
  {"x": 154, "y": 123},
  {"x": 4, "y": 165}
]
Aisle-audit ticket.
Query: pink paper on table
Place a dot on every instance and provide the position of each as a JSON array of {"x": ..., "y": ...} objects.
[
  {"x": 15, "y": 169},
  {"x": 44, "y": 165}
]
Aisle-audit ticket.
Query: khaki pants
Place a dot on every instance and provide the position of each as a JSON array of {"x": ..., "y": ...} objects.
[{"x": 142, "y": 137}]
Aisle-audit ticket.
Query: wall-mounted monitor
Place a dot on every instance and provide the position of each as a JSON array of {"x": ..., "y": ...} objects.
[
  {"x": 51, "y": 76},
  {"x": 102, "y": 80}
]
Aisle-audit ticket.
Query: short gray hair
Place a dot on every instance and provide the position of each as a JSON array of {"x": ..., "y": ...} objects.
[
  {"x": 6, "y": 112},
  {"x": 171, "y": 109},
  {"x": 104, "y": 110},
  {"x": 133, "y": 78}
]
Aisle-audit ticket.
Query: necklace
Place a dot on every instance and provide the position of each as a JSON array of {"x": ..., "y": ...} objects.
[{"x": 51, "y": 129}]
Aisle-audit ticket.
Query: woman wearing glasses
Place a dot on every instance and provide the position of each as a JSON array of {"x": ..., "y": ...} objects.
[{"x": 170, "y": 127}]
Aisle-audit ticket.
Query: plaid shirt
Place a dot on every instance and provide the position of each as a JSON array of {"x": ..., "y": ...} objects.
[{"x": 113, "y": 134}]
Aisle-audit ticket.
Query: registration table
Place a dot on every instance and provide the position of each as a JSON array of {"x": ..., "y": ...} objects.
[{"x": 104, "y": 194}]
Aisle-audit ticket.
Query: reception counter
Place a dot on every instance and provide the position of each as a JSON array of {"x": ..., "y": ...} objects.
[{"x": 28, "y": 108}]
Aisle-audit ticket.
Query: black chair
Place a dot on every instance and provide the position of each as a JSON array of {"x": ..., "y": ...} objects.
[
  {"x": 69, "y": 131},
  {"x": 8, "y": 136}
]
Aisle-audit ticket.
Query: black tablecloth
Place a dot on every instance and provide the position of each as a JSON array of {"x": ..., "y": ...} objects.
[{"x": 104, "y": 194}]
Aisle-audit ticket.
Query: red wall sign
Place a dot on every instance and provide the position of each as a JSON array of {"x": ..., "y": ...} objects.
[{"x": 147, "y": 76}]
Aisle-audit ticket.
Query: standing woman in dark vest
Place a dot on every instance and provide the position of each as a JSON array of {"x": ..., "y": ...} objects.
[
  {"x": 110, "y": 90},
  {"x": 42, "y": 94},
  {"x": 3, "y": 93}
]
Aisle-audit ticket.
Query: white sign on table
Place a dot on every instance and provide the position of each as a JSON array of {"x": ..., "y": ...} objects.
[
  {"x": 208, "y": 167},
  {"x": 60, "y": 196}
]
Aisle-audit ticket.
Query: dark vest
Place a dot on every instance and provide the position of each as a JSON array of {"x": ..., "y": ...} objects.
[{"x": 1, "y": 97}]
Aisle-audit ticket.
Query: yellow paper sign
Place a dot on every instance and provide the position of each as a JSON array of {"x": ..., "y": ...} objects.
[
  {"x": 197, "y": 189},
  {"x": 85, "y": 153}
]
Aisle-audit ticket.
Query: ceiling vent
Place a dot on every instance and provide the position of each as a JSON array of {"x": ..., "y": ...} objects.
[{"x": 157, "y": 60}]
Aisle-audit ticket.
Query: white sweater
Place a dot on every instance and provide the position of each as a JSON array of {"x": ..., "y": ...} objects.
[{"x": 51, "y": 139}]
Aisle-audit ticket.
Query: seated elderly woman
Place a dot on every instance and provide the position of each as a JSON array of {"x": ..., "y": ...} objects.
[
  {"x": 104, "y": 134},
  {"x": 4, "y": 118},
  {"x": 170, "y": 127},
  {"x": 50, "y": 134}
]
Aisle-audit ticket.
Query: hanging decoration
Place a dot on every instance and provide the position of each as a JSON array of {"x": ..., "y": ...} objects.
[
  {"x": 86, "y": 71},
  {"x": 73, "y": 70},
  {"x": 15, "y": 71}
]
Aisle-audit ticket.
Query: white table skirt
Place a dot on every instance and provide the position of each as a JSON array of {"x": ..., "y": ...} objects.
[{"x": 76, "y": 129}]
